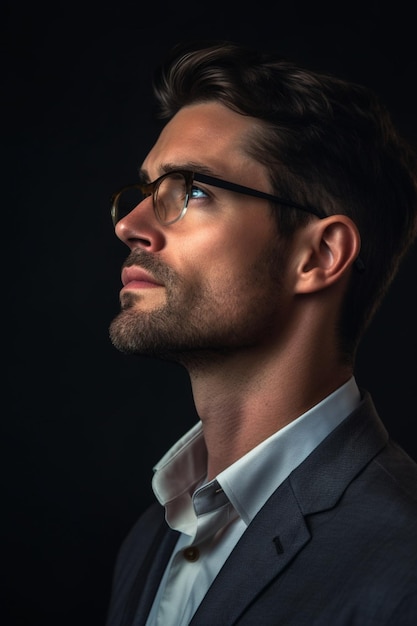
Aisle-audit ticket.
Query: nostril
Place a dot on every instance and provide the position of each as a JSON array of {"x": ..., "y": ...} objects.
[{"x": 140, "y": 241}]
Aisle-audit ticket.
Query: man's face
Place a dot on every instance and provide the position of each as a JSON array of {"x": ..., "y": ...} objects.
[{"x": 210, "y": 283}]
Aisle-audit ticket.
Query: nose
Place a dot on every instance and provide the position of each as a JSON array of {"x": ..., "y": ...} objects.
[{"x": 140, "y": 228}]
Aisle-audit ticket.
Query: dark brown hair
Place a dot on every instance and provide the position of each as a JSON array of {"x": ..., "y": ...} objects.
[{"x": 324, "y": 141}]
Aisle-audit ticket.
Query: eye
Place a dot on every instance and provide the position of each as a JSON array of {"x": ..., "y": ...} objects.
[{"x": 197, "y": 192}]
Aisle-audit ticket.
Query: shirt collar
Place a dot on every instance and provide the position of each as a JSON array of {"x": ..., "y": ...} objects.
[{"x": 249, "y": 481}]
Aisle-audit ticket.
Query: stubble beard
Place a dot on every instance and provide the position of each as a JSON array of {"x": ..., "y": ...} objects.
[
  {"x": 193, "y": 325},
  {"x": 156, "y": 332}
]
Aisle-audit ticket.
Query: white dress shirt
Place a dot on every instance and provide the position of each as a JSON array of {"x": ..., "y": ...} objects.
[{"x": 211, "y": 517}]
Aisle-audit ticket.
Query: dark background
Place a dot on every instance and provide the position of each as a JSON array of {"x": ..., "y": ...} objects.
[{"x": 81, "y": 424}]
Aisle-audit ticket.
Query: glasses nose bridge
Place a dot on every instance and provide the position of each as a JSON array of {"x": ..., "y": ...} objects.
[
  {"x": 149, "y": 189},
  {"x": 146, "y": 196},
  {"x": 119, "y": 215},
  {"x": 166, "y": 209}
]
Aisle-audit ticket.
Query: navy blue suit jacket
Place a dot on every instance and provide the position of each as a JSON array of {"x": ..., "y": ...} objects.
[{"x": 335, "y": 545}]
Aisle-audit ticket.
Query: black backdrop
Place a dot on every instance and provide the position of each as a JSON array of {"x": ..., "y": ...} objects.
[{"x": 81, "y": 424}]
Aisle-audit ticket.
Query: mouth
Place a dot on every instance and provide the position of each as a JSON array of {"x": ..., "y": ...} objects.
[{"x": 134, "y": 277}]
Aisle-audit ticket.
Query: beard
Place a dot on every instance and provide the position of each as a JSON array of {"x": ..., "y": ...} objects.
[{"x": 196, "y": 322}]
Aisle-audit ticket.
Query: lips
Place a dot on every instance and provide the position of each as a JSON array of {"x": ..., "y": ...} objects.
[{"x": 134, "y": 277}]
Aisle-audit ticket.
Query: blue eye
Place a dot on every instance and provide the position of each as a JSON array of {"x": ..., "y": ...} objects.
[{"x": 197, "y": 192}]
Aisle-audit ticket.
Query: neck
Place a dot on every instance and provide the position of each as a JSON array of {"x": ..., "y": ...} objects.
[{"x": 245, "y": 397}]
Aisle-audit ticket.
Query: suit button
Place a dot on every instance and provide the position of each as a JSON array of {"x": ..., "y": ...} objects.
[{"x": 191, "y": 553}]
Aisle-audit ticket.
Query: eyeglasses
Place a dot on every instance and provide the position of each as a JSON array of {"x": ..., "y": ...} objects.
[{"x": 171, "y": 193}]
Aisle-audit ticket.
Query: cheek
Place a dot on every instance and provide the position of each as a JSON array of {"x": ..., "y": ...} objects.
[
  {"x": 227, "y": 254},
  {"x": 239, "y": 271},
  {"x": 236, "y": 244},
  {"x": 216, "y": 264}
]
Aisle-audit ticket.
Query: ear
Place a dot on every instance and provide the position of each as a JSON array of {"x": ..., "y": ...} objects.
[{"x": 326, "y": 250}]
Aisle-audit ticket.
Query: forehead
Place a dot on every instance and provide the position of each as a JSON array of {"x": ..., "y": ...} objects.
[{"x": 209, "y": 134}]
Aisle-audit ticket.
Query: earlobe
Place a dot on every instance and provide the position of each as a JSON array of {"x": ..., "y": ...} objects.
[{"x": 328, "y": 250}]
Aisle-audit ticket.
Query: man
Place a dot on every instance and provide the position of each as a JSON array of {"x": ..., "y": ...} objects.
[{"x": 269, "y": 219}]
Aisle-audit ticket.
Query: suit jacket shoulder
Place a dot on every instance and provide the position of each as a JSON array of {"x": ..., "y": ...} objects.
[{"x": 336, "y": 544}]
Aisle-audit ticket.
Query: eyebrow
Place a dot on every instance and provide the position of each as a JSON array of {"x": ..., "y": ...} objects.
[{"x": 189, "y": 166}]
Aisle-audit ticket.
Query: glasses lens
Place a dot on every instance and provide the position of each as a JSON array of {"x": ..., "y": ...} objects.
[
  {"x": 125, "y": 202},
  {"x": 171, "y": 198}
]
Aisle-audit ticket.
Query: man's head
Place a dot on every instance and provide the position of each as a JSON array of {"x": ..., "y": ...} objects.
[
  {"x": 213, "y": 275},
  {"x": 316, "y": 141}
]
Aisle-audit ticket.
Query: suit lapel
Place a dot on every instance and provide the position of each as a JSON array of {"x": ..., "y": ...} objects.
[{"x": 273, "y": 539}]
